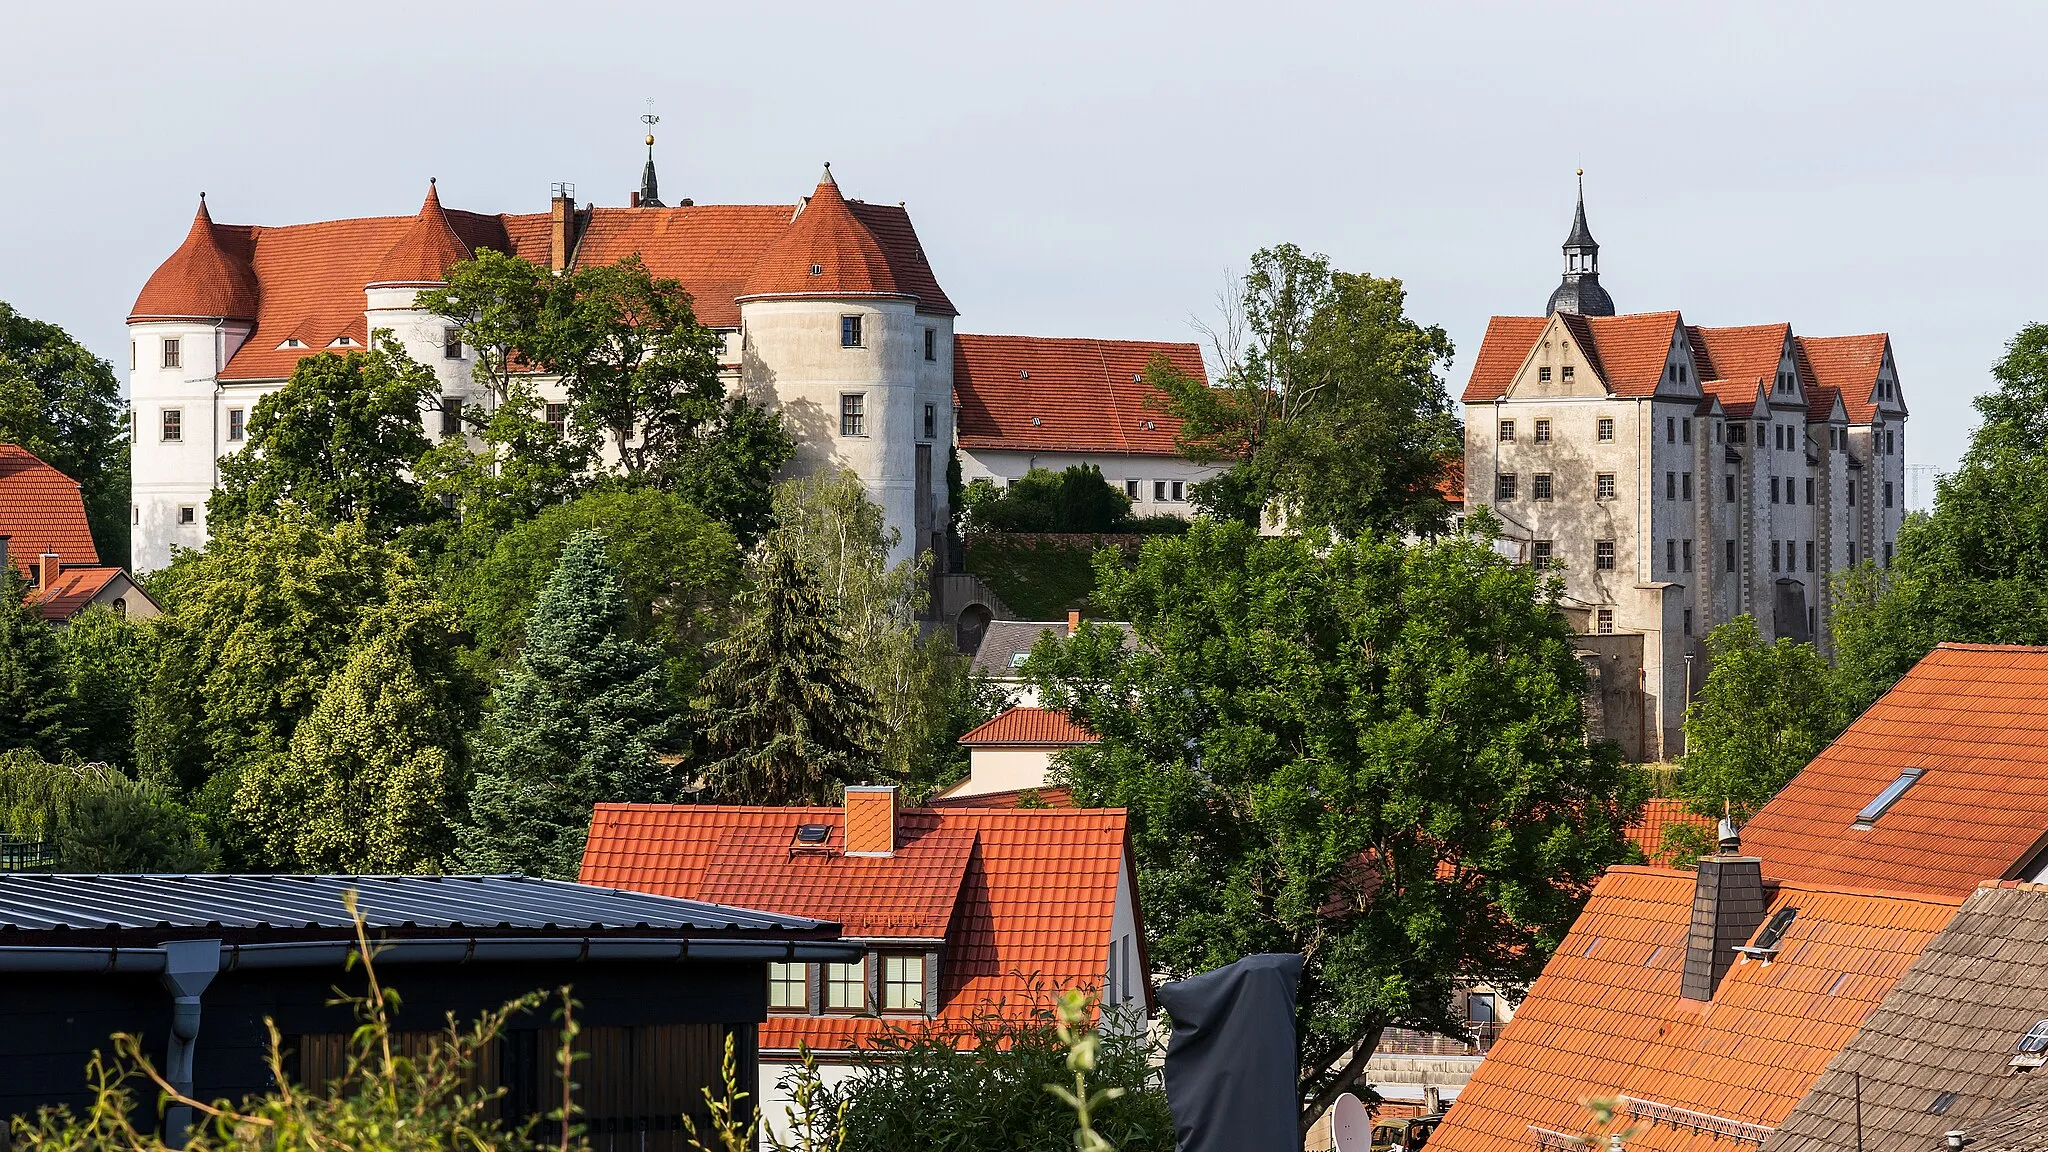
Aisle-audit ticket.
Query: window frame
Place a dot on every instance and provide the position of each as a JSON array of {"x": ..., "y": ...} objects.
[
  {"x": 1603, "y": 430},
  {"x": 238, "y": 425},
  {"x": 853, "y": 415},
  {"x": 1542, "y": 432},
  {"x": 451, "y": 343},
  {"x": 188, "y": 514},
  {"x": 852, "y": 333},
  {"x": 556, "y": 416},
  {"x": 931, "y": 345},
  {"x": 829, "y": 984},
  {"x": 1505, "y": 485},
  {"x": 170, "y": 425},
  {"x": 931, "y": 420},
  {"x": 1540, "y": 486},
  {"x": 803, "y": 982},
  {"x": 1603, "y": 556},
  {"x": 1542, "y": 553},
  {"x": 1507, "y": 432},
  {"x": 1603, "y": 486},
  {"x": 889, "y": 983},
  {"x": 1603, "y": 622},
  {"x": 173, "y": 352}
]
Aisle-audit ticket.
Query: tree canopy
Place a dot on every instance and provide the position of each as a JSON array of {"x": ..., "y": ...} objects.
[
  {"x": 1763, "y": 713},
  {"x": 1330, "y": 409},
  {"x": 1366, "y": 753},
  {"x": 1075, "y": 500},
  {"x": 34, "y": 705},
  {"x": 64, "y": 404}
]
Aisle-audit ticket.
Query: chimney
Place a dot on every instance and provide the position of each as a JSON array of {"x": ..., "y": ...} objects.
[
  {"x": 47, "y": 569},
  {"x": 561, "y": 226},
  {"x": 1727, "y": 905},
  {"x": 1073, "y": 621},
  {"x": 871, "y": 820}
]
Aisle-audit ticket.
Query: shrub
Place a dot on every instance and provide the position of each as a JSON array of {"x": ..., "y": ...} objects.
[{"x": 1076, "y": 500}]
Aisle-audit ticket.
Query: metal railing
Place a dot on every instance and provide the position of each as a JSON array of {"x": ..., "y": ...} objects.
[
  {"x": 23, "y": 854},
  {"x": 1409, "y": 1042}
]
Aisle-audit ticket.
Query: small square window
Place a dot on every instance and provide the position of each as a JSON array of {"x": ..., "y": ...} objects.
[
  {"x": 1540, "y": 552},
  {"x": 1504, "y": 486},
  {"x": 1179, "y": 490},
  {"x": 853, "y": 414},
  {"x": 1603, "y": 555},
  {"x": 1481, "y": 1009},
  {"x": 1604, "y": 622},
  {"x": 188, "y": 514},
  {"x": 931, "y": 421},
  {"x": 1543, "y": 431},
  {"x": 931, "y": 343},
  {"x": 1543, "y": 375},
  {"x": 849, "y": 332},
  {"x": 846, "y": 986},
  {"x": 1603, "y": 486},
  {"x": 1159, "y": 490},
  {"x": 451, "y": 343},
  {"x": 1542, "y": 486},
  {"x": 786, "y": 987},
  {"x": 1507, "y": 429},
  {"x": 1605, "y": 426},
  {"x": 1567, "y": 371},
  {"x": 903, "y": 983},
  {"x": 173, "y": 354},
  {"x": 173, "y": 425}
]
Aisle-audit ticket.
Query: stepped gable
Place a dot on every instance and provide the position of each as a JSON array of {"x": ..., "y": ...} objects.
[
  {"x": 825, "y": 251},
  {"x": 207, "y": 278},
  {"x": 1972, "y": 721},
  {"x": 1031, "y": 393},
  {"x": 422, "y": 256},
  {"x": 1847, "y": 364}
]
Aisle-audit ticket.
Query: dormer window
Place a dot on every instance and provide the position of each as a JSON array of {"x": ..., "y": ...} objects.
[
  {"x": 817, "y": 269},
  {"x": 902, "y": 983},
  {"x": 344, "y": 342},
  {"x": 846, "y": 987},
  {"x": 788, "y": 988},
  {"x": 292, "y": 342}
]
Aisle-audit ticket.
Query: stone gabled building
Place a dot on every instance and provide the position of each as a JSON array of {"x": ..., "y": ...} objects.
[{"x": 1677, "y": 476}]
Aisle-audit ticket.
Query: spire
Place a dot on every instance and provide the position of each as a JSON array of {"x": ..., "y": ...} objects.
[
  {"x": 422, "y": 256},
  {"x": 649, "y": 195},
  {"x": 203, "y": 279},
  {"x": 1581, "y": 293}
]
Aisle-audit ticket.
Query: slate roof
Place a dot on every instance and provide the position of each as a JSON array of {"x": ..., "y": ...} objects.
[
  {"x": 46, "y": 908},
  {"x": 1605, "y": 1019},
  {"x": 1974, "y": 719},
  {"x": 1027, "y": 393},
  {"x": 1047, "y": 726},
  {"x": 1949, "y": 1027},
  {"x": 1035, "y": 900}
]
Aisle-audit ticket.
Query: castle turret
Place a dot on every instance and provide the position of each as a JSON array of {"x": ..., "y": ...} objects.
[
  {"x": 420, "y": 260},
  {"x": 1581, "y": 293}
]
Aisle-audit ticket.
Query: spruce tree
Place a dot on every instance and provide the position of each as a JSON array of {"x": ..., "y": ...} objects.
[
  {"x": 788, "y": 722},
  {"x": 34, "y": 697},
  {"x": 580, "y": 719}
]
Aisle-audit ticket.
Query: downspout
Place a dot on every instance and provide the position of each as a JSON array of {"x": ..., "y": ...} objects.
[
  {"x": 220, "y": 352},
  {"x": 189, "y": 966}
]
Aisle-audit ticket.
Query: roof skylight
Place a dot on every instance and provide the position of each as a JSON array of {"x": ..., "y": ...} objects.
[
  {"x": 1888, "y": 797},
  {"x": 2036, "y": 1039},
  {"x": 1775, "y": 930}
]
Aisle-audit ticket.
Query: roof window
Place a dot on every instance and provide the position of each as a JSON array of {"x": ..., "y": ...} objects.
[
  {"x": 1941, "y": 1104},
  {"x": 1888, "y": 797},
  {"x": 817, "y": 269},
  {"x": 811, "y": 838},
  {"x": 1765, "y": 946},
  {"x": 2033, "y": 1047}
]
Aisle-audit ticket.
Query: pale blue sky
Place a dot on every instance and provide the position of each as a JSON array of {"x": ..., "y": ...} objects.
[{"x": 1092, "y": 169}]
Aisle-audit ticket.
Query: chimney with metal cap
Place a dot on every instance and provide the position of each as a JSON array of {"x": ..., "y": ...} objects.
[
  {"x": 871, "y": 820},
  {"x": 1728, "y": 903}
]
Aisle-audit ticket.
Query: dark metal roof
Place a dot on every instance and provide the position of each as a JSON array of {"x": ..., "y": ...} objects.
[
  {"x": 1582, "y": 236},
  {"x": 1581, "y": 295},
  {"x": 32, "y": 903}
]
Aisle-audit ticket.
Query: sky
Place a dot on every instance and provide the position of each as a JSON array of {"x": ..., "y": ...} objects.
[{"x": 1098, "y": 169}]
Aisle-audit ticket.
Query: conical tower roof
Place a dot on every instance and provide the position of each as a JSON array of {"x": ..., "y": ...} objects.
[
  {"x": 422, "y": 256},
  {"x": 201, "y": 280},
  {"x": 1582, "y": 236},
  {"x": 825, "y": 251}
]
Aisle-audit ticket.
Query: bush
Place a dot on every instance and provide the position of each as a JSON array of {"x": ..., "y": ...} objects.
[
  {"x": 1076, "y": 500},
  {"x": 97, "y": 820}
]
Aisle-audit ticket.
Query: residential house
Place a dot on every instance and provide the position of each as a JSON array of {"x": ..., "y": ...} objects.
[
  {"x": 961, "y": 912},
  {"x": 1005, "y": 644},
  {"x": 44, "y": 534},
  {"x": 200, "y": 968},
  {"x": 1012, "y": 753}
]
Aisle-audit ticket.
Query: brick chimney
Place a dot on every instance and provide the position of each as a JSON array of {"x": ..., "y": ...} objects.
[
  {"x": 871, "y": 820},
  {"x": 1073, "y": 621},
  {"x": 561, "y": 226},
  {"x": 1728, "y": 903}
]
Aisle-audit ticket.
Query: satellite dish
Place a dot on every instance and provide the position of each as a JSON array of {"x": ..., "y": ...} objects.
[{"x": 1350, "y": 1125}]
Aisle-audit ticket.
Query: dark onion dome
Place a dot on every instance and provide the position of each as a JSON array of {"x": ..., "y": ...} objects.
[{"x": 1580, "y": 292}]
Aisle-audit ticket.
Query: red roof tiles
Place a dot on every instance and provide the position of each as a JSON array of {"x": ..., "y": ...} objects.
[
  {"x": 1032, "y": 393},
  {"x": 208, "y": 277},
  {"x": 72, "y": 590},
  {"x": 426, "y": 251},
  {"x": 1605, "y": 1019},
  {"x": 1748, "y": 354},
  {"x": 1974, "y": 719},
  {"x": 1660, "y": 814},
  {"x": 41, "y": 511},
  {"x": 1628, "y": 353},
  {"x": 1849, "y": 365},
  {"x": 825, "y": 251},
  {"x": 1030, "y": 726},
  {"x": 1034, "y": 902}
]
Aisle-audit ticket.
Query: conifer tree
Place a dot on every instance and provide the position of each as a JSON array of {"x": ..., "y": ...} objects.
[
  {"x": 580, "y": 719},
  {"x": 788, "y": 722},
  {"x": 33, "y": 689}
]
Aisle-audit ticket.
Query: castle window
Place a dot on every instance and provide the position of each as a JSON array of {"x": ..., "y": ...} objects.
[
  {"x": 1774, "y": 489},
  {"x": 1567, "y": 372},
  {"x": 1603, "y": 555},
  {"x": 1852, "y": 491},
  {"x": 1891, "y": 443},
  {"x": 1543, "y": 431},
  {"x": 173, "y": 425},
  {"x": 786, "y": 987},
  {"x": 131, "y": 355},
  {"x": 1738, "y": 433},
  {"x": 1852, "y": 553},
  {"x": 1685, "y": 554},
  {"x": 1542, "y": 486},
  {"x": 1688, "y": 621},
  {"x": 1731, "y": 555},
  {"x": 931, "y": 418},
  {"x": 1685, "y": 432},
  {"x": 451, "y": 343},
  {"x": 1670, "y": 430},
  {"x": 1507, "y": 430},
  {"x": 1774, "y": 556},
  {"x": 849, "y": 332},
  {"x": 1543, "y": 375},
  {"x": 451, "y": 415},
  {"x": 1605, "y": 427},
  {"x": 558, "y": 418},
  {"x": 1887, "y": 493},
  {"x": 1686, "y": 487},
  {"x": 1671, "y": 485},
  {"x": 1670, "y": 555},
  {"x": 1603, "y": 486},
  {"x": 1730, "y": 478},
  {"x": 172, "y": 354},
  {"x": 931, "y": 343},
  {"x": 1809, "y": 489},
  {"x": 853, "y": 413},
  {"x": 1809, "y": 555},
  {"x": 1540, "y": 552},
  {"x": 1504, "y": 486},
  {"x": 1605, "y": 622},
  {"x": 188, "y": 514},
  {"x": 236, "y": 424}
]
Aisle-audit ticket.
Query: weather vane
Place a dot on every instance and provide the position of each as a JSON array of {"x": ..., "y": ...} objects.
[{"x": 650, "y": 119}]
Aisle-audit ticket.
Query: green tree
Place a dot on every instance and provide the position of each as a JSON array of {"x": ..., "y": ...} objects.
[
  {"x": 786, "y": 719},
  {"x": 64, "y": 404},
  {"x": 1976, "y": 570},
  {"x": 34, "y": 695},
  {"x": 106, "y": 662},
  {"x": 1332, "y": 411},
  {"x": 373, "y": 778},
  {"x": 1075, "y": 500},
  {"x": 95, "y": 819},
  {"x": 1366, "y": 753},
  {"x": 731, "y": 466},
  {"x": 676, "y": 565},
  {"x": 338, "y": 440},
  {"x": 1764, "y": 712},
  {"x": 584, "y": 716}
]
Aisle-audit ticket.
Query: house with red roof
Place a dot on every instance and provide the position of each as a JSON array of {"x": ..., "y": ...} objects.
[
  {"x": 965, "y": 912},
  {"x": 44, "y": 534},
  {"x": 1678, "y": 476},
  {"x": 1011, "y": 754},
  {"x": 830, "y": 310}
]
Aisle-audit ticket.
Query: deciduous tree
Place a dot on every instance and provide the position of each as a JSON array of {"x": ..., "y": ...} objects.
[
  {"x": 106, "y": 662},
  {"x": 35, "y": 709},
  {"x": 1764, "y": 711},
  {"x": 1366, "y": 753}
]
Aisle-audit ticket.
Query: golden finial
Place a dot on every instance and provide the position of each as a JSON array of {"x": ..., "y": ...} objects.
[
  {"x": 1582, "y": 172},
  {"x": 650, "y": 120}
]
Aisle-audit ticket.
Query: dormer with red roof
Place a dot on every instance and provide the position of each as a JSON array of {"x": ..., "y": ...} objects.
[{"x": 966, "y": 912}]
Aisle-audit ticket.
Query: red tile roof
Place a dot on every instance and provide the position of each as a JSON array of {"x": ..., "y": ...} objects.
[
  {"x": 1605, "y": 1019},
  {"x": 41, "y": 511},
  {"x": 1034, "y": 901},
  {"x": 1738, "y": 398},
  {"x": 1029, "y": 726},
  {"x": 1084, "y": 395},
  {"x": 1047, "y": 797},
  {"x": 1746, "y": 355},
  {"x": 208, "y": 277},
  {"x": 422, "y": 256},
  {"x": 1849, "y": 365},
  {"x": 73, "y": 589},
  {"x": 1974, "y": 719},
  {"x": 307, "y": 280},
  {"x": 825, "y": 251},
  {"x": 1506, "y": 344},
  {"x": 1659, "y": 814},
  {"x": 1628, "y": 353}
]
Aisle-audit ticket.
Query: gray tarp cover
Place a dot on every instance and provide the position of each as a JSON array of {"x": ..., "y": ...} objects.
[{"x": 1231, "y": 1065}]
